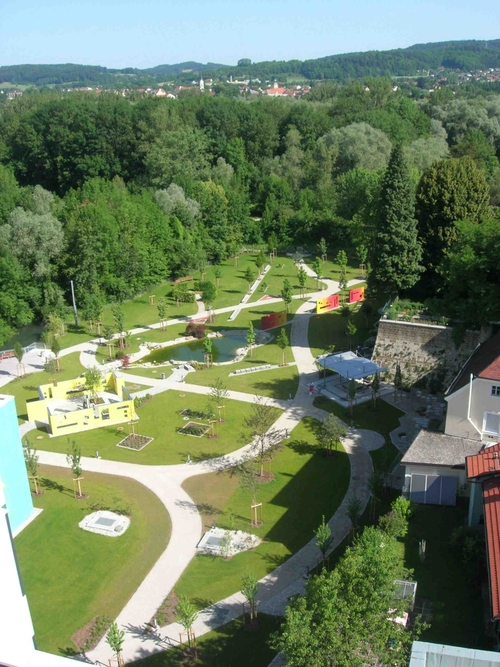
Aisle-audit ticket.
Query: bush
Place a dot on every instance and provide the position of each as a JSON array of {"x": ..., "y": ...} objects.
[
  {"x": 196, "y": 414},
  {"x": 51, "y": 366},
  {"x": 140, "y": 400},
  {"x": 394, "y": 524},
  {"x": 196, "y": 330},
  {"x": 99, "y": 629},
  {"x": 345, "y": 311},
  {"x": 182, "y": 293},
  {"x": 403, "y": 507}
]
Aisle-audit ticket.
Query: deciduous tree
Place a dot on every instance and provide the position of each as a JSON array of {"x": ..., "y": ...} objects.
[
  {"x": 282, "y": 342},
  {"x": 286, "y": 294},
  {"x": 251, "y": 337},
  {"x": 330, "y": 432},
  {"x": 324, "y": 538},
  {"x": 450, "y": 191},
  {"x": 265, "y": 438},
  {"x": 347, "y": 617}
]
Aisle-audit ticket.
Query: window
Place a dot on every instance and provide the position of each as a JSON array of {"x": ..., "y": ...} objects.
[
  {"x": 495, "y": 390},
  {"x": 491, "y": 423}
]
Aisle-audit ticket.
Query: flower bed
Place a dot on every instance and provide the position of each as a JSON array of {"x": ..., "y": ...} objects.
[
  {"x": 195, "y": 429},
  {"x": 195, "y": 414},
  {"x": 139, "y": 401},
  {"x": 135, "y": 442}
]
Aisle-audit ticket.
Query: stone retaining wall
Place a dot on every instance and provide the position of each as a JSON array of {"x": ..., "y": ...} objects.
[{"x": 426, "y": 353}]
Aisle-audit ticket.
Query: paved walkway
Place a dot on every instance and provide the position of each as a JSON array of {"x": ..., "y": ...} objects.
[{"x": 166, "y": 481}]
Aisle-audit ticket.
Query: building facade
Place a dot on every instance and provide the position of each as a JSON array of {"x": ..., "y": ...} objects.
[{"x": 12, "y": 466}]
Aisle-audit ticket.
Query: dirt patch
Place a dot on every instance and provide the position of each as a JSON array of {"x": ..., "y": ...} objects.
[
  {"x": 266, "y": 477},
  {"x": 87, "y": 638},
  {"x": 166, "y": 613}
]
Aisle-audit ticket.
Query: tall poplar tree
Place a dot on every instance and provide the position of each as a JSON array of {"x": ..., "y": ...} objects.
[{"x": 396, "y": 252}]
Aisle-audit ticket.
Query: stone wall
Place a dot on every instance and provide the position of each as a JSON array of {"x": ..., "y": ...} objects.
[{"x": 426, "y": 353}]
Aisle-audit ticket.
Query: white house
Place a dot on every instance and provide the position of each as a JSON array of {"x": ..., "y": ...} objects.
[{"x": 435, "y": 462}]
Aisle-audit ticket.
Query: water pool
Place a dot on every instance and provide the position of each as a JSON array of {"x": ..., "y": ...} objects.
[{"x": 223, "y": 349}]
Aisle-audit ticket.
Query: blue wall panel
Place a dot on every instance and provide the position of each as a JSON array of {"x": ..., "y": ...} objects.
[{"x": 12, "y": 467}]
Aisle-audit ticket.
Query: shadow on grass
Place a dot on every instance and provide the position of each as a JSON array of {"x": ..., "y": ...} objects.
[
  {"x": 302, "y": 447},
  {"x": 206, "y": 508},
  {"x": 275, "y": 559},
  {"x": 204, "y": 456},
  {"x": 283, "y": 388},
  {"x": 50, "y": 485},
  {"x": 229, "y": 645},
  {"x": 295, "y": 527}
]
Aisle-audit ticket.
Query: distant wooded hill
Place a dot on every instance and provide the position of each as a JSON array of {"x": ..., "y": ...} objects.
[{"x": 463, "y": 55}]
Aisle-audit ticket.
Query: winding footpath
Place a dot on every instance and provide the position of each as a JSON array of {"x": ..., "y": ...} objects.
[{"x": 166, "y": 482}]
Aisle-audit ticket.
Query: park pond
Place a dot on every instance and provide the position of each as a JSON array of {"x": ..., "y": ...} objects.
[{"x": 224, "y": 348}]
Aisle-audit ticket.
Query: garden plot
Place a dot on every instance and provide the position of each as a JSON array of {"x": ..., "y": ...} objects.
[
  {"x": 195, "y": 429},
  {"x": 135, "y": 442}
]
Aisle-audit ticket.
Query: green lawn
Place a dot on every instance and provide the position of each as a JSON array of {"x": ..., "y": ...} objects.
[
  {"x": 25, "y": 389},
  {"x": 331, "y": 269},
  {"x": 228, "y": 646},
  {"x": 132, "y": 387},
  {"x": 330, "y": 329},
  {"x": 160, "y": 419},
  {"x": 384, "y": 419},
  {"x": 254, "y": 315},
  {"x": 138, "y": 313},
  {"x": 458, "y": 608},
  {"x": 233, "y": 285},
  {"x": 71, "y": 576},
  {"x": 306, "y": 486},
  {"x": 281, "y": 268},
  {"x": 153, "y": 373}
]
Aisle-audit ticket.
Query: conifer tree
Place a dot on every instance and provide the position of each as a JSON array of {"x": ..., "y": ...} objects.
[{"x": 397, "y": 251}]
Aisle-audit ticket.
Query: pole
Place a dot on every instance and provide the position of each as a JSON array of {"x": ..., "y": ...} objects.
[{"x": 74, "y": 304}]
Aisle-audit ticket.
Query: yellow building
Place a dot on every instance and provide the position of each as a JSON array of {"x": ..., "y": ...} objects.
[{"x": 69, "y": 407}]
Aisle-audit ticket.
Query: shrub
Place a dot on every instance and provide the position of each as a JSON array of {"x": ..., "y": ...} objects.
[
  {"x": 394, "y": 524},
  {"x": 345, "y": 311},
  {"x": 51, "y": 366},
  {"x": 99, "y": 629},
  {"x": 140, "y": 400},
  {"x": 195, "y": 329}
]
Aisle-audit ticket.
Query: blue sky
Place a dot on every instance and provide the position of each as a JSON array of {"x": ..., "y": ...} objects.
[{"x": 145, "y": 33}]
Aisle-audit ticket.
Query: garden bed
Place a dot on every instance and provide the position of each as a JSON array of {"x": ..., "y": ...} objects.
[
  {"x": 135, "y": 442},
  {"x": 91, "y": 634},
  {"x": 195, "y": 429},
  {"x": 195, "y": 414}
]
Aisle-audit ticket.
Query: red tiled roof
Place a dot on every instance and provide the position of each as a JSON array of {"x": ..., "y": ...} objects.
[
  {"x": 491, "y": 497},
  {"x": 487, "y": 462},
  {"x": 491, "y": 372}
]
